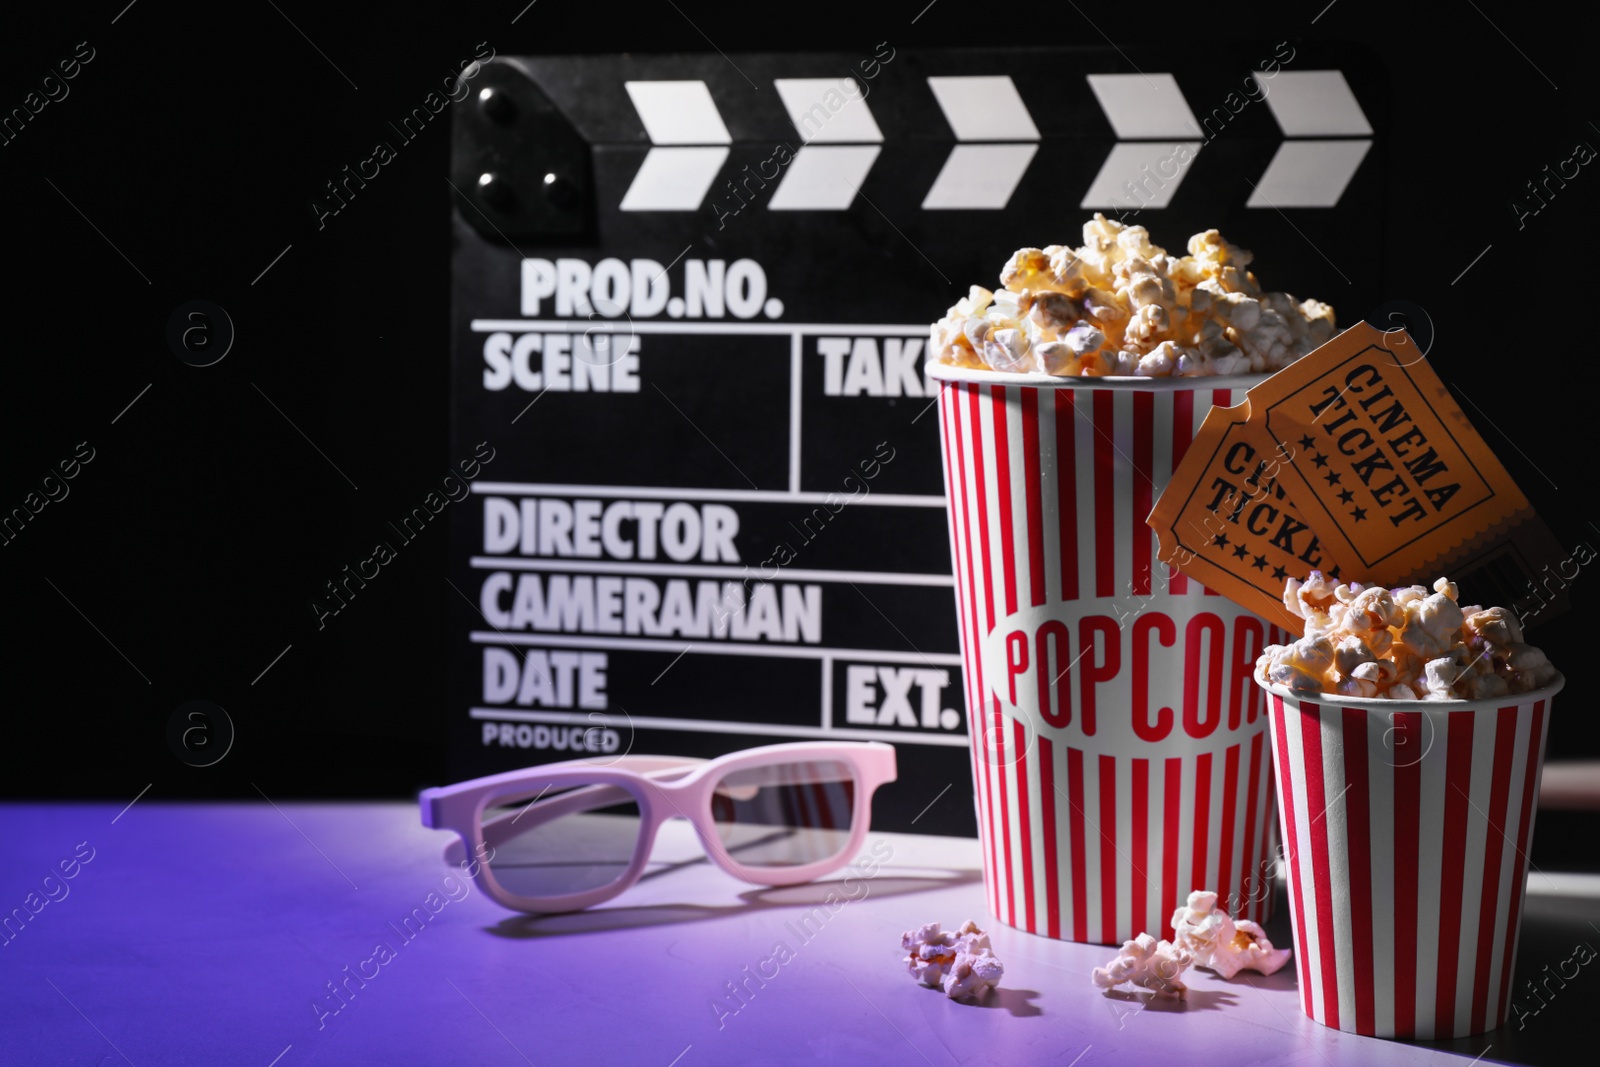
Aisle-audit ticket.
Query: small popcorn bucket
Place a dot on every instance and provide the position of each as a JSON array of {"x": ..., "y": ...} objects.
[
  {"x": 1406, "y": 829},
  {"x": 1119, "y": 743}
]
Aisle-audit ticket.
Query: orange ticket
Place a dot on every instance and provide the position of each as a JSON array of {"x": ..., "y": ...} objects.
[
  {"x": 1360, "y": 464},
  {"x": 1226, "y": 522},
  {"x": 1383, "y": 464}
]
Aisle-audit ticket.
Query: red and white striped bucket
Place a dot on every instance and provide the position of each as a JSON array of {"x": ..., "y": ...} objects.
[
  {"x": 1406, "y": 832},
  {"x": 1120, "y": 755}
]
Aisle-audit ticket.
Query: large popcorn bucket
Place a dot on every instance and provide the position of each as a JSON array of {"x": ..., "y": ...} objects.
[
  {"x": 1406, "y": 830},
  {"x": 1120, "y": 755}
]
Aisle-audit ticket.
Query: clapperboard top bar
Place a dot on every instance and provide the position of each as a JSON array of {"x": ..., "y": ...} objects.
[
  {"x": 979, "y": 95},
  {"x": 831, "y": 116}
]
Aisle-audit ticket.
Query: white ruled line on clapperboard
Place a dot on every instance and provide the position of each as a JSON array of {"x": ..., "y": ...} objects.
[
  {"x": 712, "y": 726},
  {"x": 687, "y": 570},
  {"x": 826, "y": 656}
]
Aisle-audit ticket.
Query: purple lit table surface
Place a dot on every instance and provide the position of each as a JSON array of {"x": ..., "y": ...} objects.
[{"x": 212, "y": 934}]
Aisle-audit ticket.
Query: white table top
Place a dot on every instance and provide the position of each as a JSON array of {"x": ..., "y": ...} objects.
[{"x": 205, "y": 933}]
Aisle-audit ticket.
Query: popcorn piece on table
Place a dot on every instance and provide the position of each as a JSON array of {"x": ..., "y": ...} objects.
[
  {"x": 1146, "y": 962},
  {"x": 1224, "y": 944},
  {"x": 1125, "y": 306},
  {"x": 963, "y": 962},
  {"x": 1198, "y": 926},
  {"x": 930, "y": 953},
  {"x": 1248, "y": 948},
  {"x": 1402, "y": 644},
  {"x": 971, "y": 975}
]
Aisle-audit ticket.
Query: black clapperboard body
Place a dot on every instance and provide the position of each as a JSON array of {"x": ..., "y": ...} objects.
[{"x": 691, "y": 298}]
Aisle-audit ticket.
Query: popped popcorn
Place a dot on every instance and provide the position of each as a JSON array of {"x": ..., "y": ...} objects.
[
  {"x": 962, "y": 962},
  {"x": 1121, "y": 305},
  {"x": 1199, "y": 925},
  {"x": 1248, "y": 948},
  {"x": 1224, "y": 944},
  {"x": 971, "y": 975},
  {"x": 1402, "y": 644},
  {"x": 1146, "y": 962}
]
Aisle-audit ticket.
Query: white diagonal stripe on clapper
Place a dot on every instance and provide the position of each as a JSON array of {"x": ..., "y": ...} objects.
[
  {"x": 674, "y": 179},
  {"x": 678, "y": 112},
  {"x": 983, "y": 108},
  {"x": 979, "y": 176},
  {"x": 1308, "y": 174},
  {"x": 823, "y": 178}
]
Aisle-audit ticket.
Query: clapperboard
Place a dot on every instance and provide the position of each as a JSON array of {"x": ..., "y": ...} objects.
[{"x": 691, "y": 297}]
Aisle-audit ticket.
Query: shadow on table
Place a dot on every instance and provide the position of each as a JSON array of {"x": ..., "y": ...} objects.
[
  {"x": 1016, "y": 1001},
  {"x": 1285, "y": 978},
  {"x": 1193, "y": 1000},
  {"x": 760, "y": 898}
]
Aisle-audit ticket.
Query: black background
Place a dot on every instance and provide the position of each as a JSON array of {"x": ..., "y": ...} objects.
[{"x": 191, "y": 546}]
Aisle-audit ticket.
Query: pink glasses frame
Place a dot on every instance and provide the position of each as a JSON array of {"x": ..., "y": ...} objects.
[{"x": 664, "y": 787}]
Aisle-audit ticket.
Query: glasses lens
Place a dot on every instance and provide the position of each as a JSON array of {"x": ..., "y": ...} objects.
[
  {"x": 785, "y": 814},
  {"x": 561, "y": 841}
]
